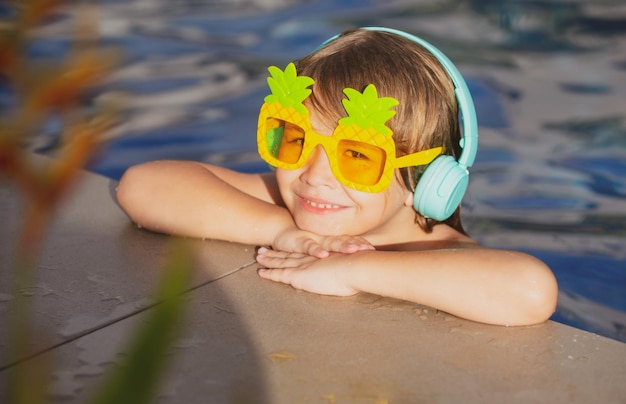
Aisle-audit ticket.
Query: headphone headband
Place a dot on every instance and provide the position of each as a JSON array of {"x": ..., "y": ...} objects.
[{"x": 469, "y": 142}]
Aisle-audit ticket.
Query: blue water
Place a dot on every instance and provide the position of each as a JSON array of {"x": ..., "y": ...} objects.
[{"x": 548, "y": 77}]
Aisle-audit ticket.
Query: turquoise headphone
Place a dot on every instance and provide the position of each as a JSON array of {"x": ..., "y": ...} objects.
[{"x": 441, "y": 187}]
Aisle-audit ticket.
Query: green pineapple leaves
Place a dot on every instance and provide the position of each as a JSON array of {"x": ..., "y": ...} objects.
[
  {"x": 288, "y": 88},
  {"x": 367, "y": 110}
]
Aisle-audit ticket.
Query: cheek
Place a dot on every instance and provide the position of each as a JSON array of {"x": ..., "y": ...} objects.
[
  {"x": 370, "y": 202},
  {"x": 396, "y": 193},
  {"x": 284, "y": 179},
  {"x": 399, "y": 193},
  {"x": 387, "y": 203}
]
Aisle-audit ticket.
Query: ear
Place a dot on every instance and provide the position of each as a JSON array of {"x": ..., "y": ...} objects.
[{"x": 409, "y": 199}]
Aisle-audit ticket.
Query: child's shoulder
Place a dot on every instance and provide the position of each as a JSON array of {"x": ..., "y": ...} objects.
[{"x": 442, "y": 237}]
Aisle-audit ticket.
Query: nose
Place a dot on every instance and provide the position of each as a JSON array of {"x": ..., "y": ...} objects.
[{"x": 316, "y": 172}]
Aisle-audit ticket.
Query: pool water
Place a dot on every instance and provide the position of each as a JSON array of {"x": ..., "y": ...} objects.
[{"x": 548, "y": 78}]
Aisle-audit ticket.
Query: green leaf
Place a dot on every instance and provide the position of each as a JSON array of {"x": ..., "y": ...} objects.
[
  {"x": 288, "y": 88},
  {"x": 137, "y": 381},
  {"x": 367, "y": 110},
  {"x": 382, "y": 116}
]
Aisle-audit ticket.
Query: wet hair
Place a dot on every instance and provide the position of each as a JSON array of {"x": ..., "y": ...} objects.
[{"x": 427, "y": 115}]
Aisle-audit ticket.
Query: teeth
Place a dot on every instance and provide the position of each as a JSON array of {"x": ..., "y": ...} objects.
[{"x": 322, "y": 205}]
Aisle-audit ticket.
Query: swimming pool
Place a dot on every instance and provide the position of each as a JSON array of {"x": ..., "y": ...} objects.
[{"x": 548, "y": 77}]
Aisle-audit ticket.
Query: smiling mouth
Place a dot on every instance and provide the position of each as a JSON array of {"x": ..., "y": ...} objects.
[{"x": 322, "y": 205}]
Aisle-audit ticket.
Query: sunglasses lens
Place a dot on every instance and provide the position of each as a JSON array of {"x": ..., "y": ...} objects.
[
  {"x": 359, "y": 162},
  {"x": 284, "y": 140}
]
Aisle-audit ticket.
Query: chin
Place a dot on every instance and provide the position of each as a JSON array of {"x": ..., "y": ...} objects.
[{"x": 321, "y": 228}]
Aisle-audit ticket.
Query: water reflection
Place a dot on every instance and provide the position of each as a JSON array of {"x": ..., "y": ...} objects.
[{"x": 549, "y": 79}]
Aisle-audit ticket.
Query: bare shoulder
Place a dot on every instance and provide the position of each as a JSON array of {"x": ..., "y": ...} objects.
[
  {"x": 442, "y": 237},
  {"x": 450, "y": 238}
]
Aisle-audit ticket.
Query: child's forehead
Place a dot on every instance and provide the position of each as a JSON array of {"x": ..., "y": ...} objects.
[
  {"x": 319, "y": 123},
  {"x": 326, "y": 104}
]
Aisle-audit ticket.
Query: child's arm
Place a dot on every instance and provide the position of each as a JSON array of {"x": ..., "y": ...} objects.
[
  {"x": 204, "y": 201},
  {"x": 197, "y": 200},
  {"x": 485, "y": 285}
]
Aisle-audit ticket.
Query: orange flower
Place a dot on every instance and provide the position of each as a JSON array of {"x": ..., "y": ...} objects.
[{"x": 62, "y": 90}]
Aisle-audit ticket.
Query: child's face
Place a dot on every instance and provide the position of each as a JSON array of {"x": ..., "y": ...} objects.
[{"x": 321, "y": 204}]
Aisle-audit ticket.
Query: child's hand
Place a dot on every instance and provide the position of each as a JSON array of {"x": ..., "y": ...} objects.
[
  {"x": 325, "y": 276},
  {"x": 299, "y": 241}
]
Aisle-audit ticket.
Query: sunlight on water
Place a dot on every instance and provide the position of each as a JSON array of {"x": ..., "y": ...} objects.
[{"x": 548, "y": 77}]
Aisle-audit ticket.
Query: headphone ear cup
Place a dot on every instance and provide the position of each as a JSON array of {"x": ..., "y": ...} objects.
[{"x": 441, "y": 188}]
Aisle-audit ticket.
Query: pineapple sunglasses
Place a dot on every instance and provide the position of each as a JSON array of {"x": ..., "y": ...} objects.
[{"x": 361, "y": 150}]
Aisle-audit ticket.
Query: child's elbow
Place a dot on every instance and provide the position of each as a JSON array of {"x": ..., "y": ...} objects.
[
  {"x": 123, "y": 192},
  {"x": 129, "y": 192},
  {"x": 540, "y": 293}
]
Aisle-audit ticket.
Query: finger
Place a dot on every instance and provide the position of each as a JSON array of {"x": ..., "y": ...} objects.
[
  {"x": 288, "y": 276},
  {"x": 280, "y": 255},
  {"x": 286, "y": 262},
  {"x": 364, "y": 244},
  {"x": 276, "y": 275},
  {"x": 314, "y": 248},
  {"x": 347, "y": 245}
]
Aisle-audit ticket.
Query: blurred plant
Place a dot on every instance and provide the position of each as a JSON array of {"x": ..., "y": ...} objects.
[
  {"x": 137, "y": 380},
  {"x": 41, "y": 90},
  {"x": 146, "y": 355}
]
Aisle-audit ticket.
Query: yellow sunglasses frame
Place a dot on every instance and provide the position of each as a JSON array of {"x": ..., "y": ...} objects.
[{"x": 330, "y": 143}]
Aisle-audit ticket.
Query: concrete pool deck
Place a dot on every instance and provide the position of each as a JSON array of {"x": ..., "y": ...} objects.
[{"x": 248, "y": 340}]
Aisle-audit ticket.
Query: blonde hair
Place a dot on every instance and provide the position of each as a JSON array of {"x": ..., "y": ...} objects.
[{"x": 427, "y": 115}]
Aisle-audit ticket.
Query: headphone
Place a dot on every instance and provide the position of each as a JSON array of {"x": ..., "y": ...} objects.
[{"x": 441, "y": 187}]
